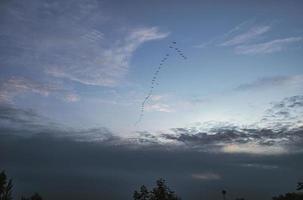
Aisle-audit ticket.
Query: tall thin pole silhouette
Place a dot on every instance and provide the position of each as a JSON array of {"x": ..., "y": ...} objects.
[{"x": 224, "y": 194}]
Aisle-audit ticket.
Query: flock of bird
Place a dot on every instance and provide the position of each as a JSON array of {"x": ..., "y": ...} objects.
[{"x": 172, "y": 46}]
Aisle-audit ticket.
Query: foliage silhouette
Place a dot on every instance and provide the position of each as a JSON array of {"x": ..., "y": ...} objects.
[
  {"x": 142, "y": 195},
  {"x": 5, "y": 187},
  {"x": 160, "y": 192},
  {"x": 36, "y": 196},
  {"x": 291, "y": 196}
]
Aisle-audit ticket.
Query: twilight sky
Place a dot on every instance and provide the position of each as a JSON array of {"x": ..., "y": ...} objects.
[{"x": 76, "y": 73}]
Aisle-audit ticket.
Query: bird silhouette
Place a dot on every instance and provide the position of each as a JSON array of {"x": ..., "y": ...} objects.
[{"x": 154, "y": 81}]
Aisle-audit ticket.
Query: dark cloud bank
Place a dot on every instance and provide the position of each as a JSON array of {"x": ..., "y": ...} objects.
[
  {"x": 65, "y": 169},
  {"x": 62, "y": 163}
]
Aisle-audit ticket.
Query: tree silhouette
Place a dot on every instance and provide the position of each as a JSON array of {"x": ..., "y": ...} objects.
[
  {"x": 143, "y": 194},
  {"x": 160, "y": 192},
  {"x": 5, "y": 187},
  {"x": 36, "y": 196},
  {"x": 291, "y": 196},
  {"x": 300, "y": 186}
]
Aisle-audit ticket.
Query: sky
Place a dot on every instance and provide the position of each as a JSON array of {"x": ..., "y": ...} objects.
[{"x": 77, "y": 75}]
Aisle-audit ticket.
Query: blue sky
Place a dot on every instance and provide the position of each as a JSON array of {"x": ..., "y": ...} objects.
[
  {"x": 90, "y": 63},
  {"x": 74, "y": 75}
]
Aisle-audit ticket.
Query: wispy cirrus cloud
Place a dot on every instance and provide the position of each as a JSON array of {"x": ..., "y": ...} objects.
[
  {"x": 272, "y": 46},
  {"x": 223, "y": 37},
  {"x": 71, "y": 98},
  {"x": 247, "y": 36},
  {"x": 106, "y": 66},
  {"x": 14, "y": 86},
  {"x": 259, "y": 166},
  {"x": 246, "y": 39},
  {"x": 83, "y": 45},
  {"x": 275, "y": 81}
]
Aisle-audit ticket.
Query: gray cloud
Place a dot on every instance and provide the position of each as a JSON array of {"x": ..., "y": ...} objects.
[
  {"x": 25, "y": 122},
  {"x": 279, "y": 131},
  {"x": 242, "y": 140},
  {"x": 97, "y": 163},
  {"x": 97, "y": 169}
]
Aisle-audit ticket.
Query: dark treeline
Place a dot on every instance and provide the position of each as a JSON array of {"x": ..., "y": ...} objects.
[
  {"x": 6, "y": 189},
  {"x": 160, "y": 192}
]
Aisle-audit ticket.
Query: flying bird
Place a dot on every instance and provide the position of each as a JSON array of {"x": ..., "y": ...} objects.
[{"x": 153, "y": 82}]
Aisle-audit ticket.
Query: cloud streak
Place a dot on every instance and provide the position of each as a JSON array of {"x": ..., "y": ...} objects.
[
  {"x": 244, "y": 40},
  {"x": 276, "y": 81},
  {"x": 158, "y": 107},
  {"x": 108, "y": 66},
  {"x": 206, "y": 176},
  {"x": 247, "y": 36},
  {"x": 14, "y": 86},
  {"x": 267, "y": 47},
  {"x": 83, "y": 45}
]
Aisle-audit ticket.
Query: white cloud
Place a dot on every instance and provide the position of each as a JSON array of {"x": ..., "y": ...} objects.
[
  {"x": 71, "y": 98},
  {"x": 158, "y": 107},
  {"x": 247, "y": 36},
  {"x": 228, "y": 34},
  {"x": 206, "y": 176},
  {"x": 157, "y": 97},
  {"x": 106, "y": 66},
  {"x": 267, "y": 47},
  {"x": 14, "y": 86},
  {"x": 82, "y": 45},
  {"x": 158, "y": 103},
  {"x": 253, "y": 148},
  {"x": 93, "y": 36},
  {"x": 260, "y": 166},
  {"x": 17, "y": 85},
  {"x": 276, "y": 81},
  {"x": 242, "y": 39}
]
